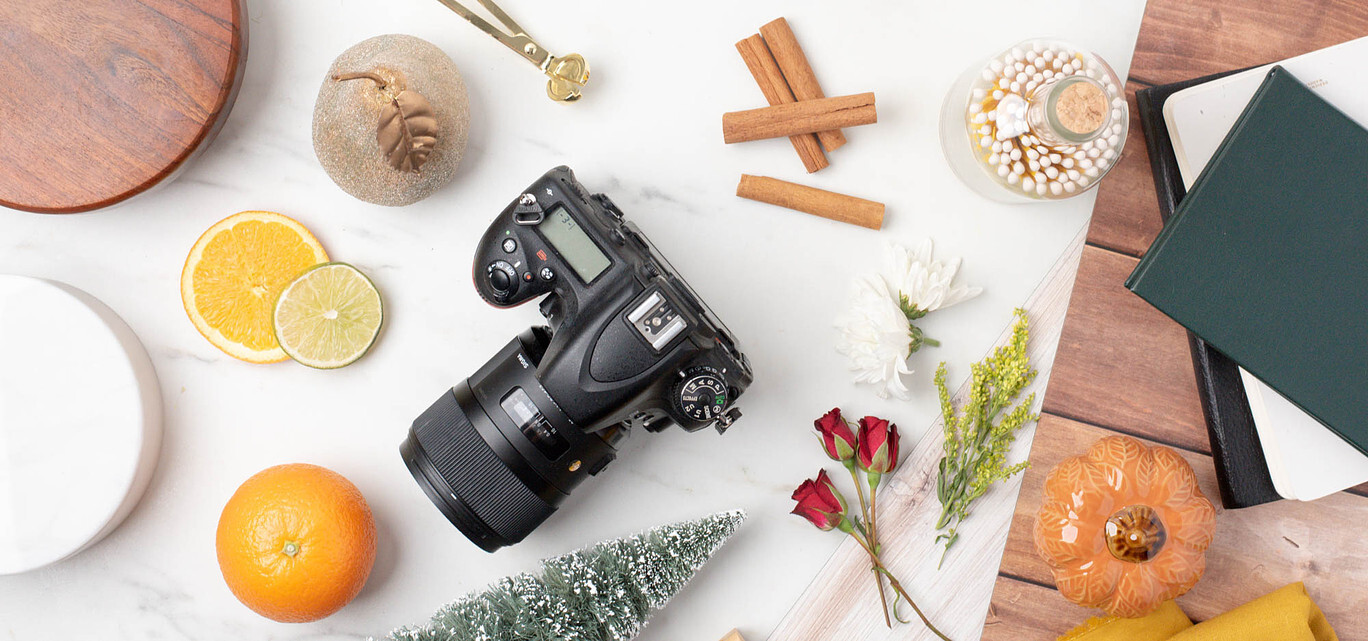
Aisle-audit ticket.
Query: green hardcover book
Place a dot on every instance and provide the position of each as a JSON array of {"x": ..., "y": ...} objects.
[{"x": 1267, "y": 257}]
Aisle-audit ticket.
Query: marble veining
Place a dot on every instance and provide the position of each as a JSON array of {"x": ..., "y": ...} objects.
[{"x": 649, "y": 138}]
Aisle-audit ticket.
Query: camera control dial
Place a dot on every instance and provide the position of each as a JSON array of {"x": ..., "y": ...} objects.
[
  {"x": 503, "y": 279},
  {"x": 701, "y": 394}
]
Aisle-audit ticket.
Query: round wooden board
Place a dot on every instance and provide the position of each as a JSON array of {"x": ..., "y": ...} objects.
[{"x": 102, "y": 99}]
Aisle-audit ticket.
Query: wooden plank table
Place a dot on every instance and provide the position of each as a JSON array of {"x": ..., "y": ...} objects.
[
  {"x": 1124, "y": 367},
  {"x": 1119, "y": 366}
]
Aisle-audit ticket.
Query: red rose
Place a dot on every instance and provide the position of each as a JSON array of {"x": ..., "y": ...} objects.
[
  {"x": 878, "y": 450},
  {"x": 838, "y": 440},
  {"x": 820, "y": 503}
]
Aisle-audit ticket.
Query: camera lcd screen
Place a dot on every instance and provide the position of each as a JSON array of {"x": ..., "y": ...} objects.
[{"x": 573, "y": 244}]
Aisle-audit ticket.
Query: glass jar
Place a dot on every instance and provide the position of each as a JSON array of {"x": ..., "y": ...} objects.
[{"x": 1042, "y": 120}]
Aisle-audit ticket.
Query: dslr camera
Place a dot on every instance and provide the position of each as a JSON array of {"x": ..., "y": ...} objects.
[{"x": 628, "y": 345}]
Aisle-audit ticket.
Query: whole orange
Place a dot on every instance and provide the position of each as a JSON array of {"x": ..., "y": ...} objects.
[{"x": 296, "y": 542}]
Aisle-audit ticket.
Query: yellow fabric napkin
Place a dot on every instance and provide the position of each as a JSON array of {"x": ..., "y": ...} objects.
[
  {"x": 1287, "y": 614},
  {"x": 1159, "y": 625}
]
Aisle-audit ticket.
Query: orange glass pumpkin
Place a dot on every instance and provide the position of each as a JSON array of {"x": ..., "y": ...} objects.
[{"x": 1124, "y": 527}]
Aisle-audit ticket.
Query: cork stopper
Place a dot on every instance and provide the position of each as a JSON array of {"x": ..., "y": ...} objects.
[{"x": 1081, "y": 108}]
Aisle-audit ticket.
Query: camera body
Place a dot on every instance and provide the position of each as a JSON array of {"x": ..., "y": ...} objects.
[{"x": 628, "y": 345}]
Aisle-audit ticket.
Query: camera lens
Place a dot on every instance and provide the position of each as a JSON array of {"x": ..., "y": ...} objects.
[
  {"x": 497, "y": 454},
  {"x": 451, "y": 452}
]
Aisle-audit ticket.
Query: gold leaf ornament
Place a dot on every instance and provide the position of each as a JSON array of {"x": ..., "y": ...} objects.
[
  {"x": 407, "y": 131},
  {"x": 407, "y": 128}
]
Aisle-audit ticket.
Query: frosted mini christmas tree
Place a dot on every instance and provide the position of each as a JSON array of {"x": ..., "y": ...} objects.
[{"x": 601, "y": 593}]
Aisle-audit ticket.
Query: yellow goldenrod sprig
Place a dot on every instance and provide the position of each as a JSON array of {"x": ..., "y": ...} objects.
[{"x": 977, "y": 440}]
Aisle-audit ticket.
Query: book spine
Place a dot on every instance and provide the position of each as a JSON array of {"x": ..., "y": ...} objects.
[
  {"x": 1241, "y": 467},
  {"x": 1160, "y": 153}
]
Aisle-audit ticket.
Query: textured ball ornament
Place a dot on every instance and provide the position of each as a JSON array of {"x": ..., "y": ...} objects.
[
  {"x": 1124, "y": 527},
  {"x": 391, "y": 120}
]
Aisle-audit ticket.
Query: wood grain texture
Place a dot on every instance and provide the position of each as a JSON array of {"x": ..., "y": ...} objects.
[
  {"x": 1183, "y": 39},
  {"x": 1126, "y": 218},
  {"x": 842, "y": 602},
  {"x": 1122, "y": 363},
  {"x": 1256, "y": 550},
  {"x": 102, "y": 99},
  {"x": 1024, "y": 611},
  {"x": 1124, "y": 367}
]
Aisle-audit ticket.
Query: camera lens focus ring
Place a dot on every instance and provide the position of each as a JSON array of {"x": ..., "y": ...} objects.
[{"x": 460, "y": 472}]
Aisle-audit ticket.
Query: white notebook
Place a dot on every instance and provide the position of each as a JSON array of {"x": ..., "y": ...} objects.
[{"x": 1305, "y": 459}]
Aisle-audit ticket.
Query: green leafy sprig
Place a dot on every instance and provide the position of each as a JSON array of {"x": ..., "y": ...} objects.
[{"x": 977, "y": 440}]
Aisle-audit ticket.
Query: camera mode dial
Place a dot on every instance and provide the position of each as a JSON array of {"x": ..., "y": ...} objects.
[
  {"x": 701, "y": 394},
  {"x": 502, "y": 279}
]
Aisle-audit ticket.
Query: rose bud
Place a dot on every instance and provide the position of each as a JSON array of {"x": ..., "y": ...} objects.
[
  {"x": 878, "y": 450},
  {"x": 820, "y": 503},
  {"x": 838, "y": 440}
]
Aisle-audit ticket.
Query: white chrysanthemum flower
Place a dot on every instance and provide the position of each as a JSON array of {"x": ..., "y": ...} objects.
[
  {"x": 877, "y": 334},
  {"x": 876, "y": 337},
  {"x": 927, "y": 284}
]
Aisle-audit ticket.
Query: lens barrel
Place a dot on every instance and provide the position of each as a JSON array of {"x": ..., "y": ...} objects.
[{"x": 467, "y": 467}]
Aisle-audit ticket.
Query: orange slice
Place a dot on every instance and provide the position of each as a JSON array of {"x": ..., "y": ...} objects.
[{"x": 235, "y": 272}]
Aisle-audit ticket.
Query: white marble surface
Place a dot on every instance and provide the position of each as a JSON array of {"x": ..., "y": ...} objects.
[{"x": 647, "y": 132}]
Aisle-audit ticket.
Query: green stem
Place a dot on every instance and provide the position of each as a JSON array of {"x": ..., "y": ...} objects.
[
  {"x": 868, "y": 511},
  {"x": 974, "y": 451},
  {"x": 858, "y": 524},
  {"x": 930, "y": 341},
  {"x": 859, "y": 489},
  {"x": 874, "y": 543},
  {"x": 897, "y": 587},
  {"x": 957, "y": 483}
]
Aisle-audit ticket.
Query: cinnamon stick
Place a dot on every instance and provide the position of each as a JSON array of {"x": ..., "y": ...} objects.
[
  {"x": 810, "y": 200},
  {"x": 793, "y": 63},
  {"x": 805, "y": 117},
  {"x": 766, "y": 73}
]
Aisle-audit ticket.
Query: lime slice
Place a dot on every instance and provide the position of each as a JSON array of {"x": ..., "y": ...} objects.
[{"x": 328, "y": 316}]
